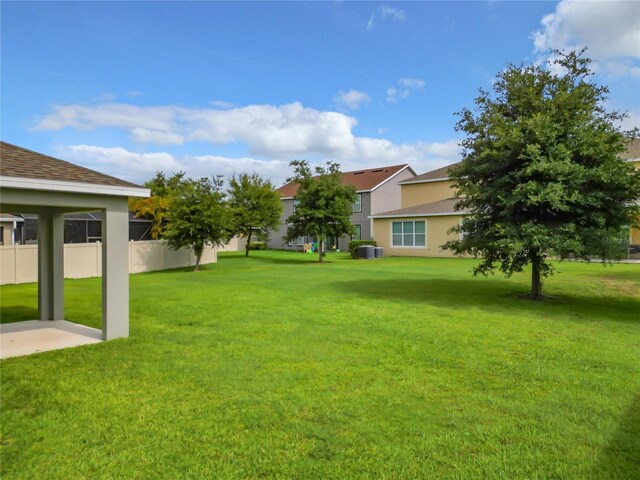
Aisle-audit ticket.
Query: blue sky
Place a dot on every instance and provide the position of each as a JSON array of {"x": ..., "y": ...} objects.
[{"x": 129, "y": 88}]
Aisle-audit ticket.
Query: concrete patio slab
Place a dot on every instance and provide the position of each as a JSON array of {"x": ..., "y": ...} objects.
[{"x": 25, "y": 338}]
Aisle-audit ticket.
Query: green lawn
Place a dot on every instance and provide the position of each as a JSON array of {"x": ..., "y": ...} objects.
[{"x": 278, "y": 367}]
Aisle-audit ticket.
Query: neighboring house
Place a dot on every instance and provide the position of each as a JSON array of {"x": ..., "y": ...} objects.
[
  {"x": 81, "y": 228},
  {"x": 10, "y": 229},
  {"x": 632, "y": 155},
  {"x": 377, "y": 190},
  {"x": 421, "y": 225}
]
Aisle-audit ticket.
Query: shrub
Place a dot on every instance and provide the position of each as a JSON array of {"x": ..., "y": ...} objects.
[
  {"x": 354, "y": 244},
  {"x": 257, "y": 246}
]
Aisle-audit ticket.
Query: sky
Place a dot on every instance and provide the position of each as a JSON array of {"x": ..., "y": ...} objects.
[{"x": 220, "y": 88}]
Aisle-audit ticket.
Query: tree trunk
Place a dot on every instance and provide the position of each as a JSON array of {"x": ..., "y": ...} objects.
[
  {"x": 536, "y": 279},
  {"x": 320, "y": 257},
  {"x": 198, "y": 253},
  {"x": 246, "y": 247}
]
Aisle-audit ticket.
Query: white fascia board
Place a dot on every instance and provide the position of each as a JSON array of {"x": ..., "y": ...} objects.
[
  {"x": 407, "y": 215},
  {"x": 385, "y": 181},
  {"x": 409, "y": 181},
  {"x": 637, "y": 159},
  {"x": 287, "y": 198},
  {"x": 72, "y": 187}
]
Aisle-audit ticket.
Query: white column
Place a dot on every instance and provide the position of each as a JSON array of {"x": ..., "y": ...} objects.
[
  {"x": 51, "y": 265},
  {"x": 115, "y": 270}
]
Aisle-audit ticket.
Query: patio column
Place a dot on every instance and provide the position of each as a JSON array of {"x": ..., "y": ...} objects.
[
  {"x": 51, "y": 264},
  {"x": 115, "y": 270}
]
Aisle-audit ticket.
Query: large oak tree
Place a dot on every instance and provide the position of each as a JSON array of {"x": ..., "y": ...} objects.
[{"x": 541, "y": 173}]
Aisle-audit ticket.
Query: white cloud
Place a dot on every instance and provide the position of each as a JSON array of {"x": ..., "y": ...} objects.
[
  {"x": 406, "y": 86},
  {"x": 632, "y": 121},
  {"x": 351, "y": 100},
  {"x": 368, "y": 153},
  {"x": 389, "y": 12},
  {"x": 273, "y": 135},
  {"x": 383, "y": 13},
  {"x": 119, "y": 162},
  {"x": 223, "y": 105},
  {"x": 144, "y": 135},
  {"x": 412, "y": 83},
  {"x": 267, "y": 130},
  {"x": 610, "y": 30}
]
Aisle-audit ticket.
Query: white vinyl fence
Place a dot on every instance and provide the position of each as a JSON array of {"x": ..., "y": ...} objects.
[{"x": 19, "y": 263}]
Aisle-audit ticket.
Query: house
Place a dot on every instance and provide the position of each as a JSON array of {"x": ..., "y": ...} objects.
[
  {"x": 377, "y": 190},
  {"x": 10, "y": 228},
  {"x": 421, "y": 225},
  {"x": 632, "y": 155},
  {"x": 426, "y": 213}
]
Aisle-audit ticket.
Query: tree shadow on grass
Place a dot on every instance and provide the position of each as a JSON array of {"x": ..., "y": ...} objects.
[
  {"x": 493, "y": 295},
  {"x": 292, "y": 259},
  {"x": 621, "y": 457}
]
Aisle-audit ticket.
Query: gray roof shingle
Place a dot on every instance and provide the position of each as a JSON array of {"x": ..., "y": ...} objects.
[
  {"x": 441, "y": 207},
  {"x": 20, "y": 162}
]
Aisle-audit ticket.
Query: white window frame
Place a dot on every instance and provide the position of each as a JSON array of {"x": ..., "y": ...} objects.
[
  {"x": 402, "y": 222},
  {"x": 359, "y": 236},
  {"x": 357, "y": 204},
  {"x": 462, "y": 232}
]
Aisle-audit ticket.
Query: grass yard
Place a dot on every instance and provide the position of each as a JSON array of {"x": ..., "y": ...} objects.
[{"x": 278, "y": 367}]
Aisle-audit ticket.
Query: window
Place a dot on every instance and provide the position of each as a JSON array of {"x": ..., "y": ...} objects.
[
  {"x": 1, "y": 235},
  {"x": 463, "y": 233},
  {"x": 295, "y": 204},
  {"x": 357, "y": 235},
  {"x": 300, "y": 241},
  {"x": 357, "y": 205},
  {"x": 408, "y": 234}
]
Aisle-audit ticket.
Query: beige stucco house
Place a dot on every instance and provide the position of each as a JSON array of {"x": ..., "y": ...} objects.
[
  {"x": 632, "y": 155},
  {"x": 421, "y": 225},
  {"x": 427, "y": 214}
]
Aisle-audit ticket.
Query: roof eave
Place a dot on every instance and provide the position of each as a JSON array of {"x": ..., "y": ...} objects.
[
  {"x": 412, "y": 215},
  {"x": 390, "y": 177},
  {"x": 410, "y": 181},
  {"x": 25, "y": 183}
]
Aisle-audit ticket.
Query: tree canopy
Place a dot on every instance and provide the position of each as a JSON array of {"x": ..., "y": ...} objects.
[
  {"x": 156, "y": 206},
  {"x": 541, "y": 174},
  {"x": 255, "y": 207},
  {"x": 198, "y": 216},
  {"x": 323, "y": 204}
]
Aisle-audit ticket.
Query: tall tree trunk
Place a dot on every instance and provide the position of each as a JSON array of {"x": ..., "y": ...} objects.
[
  {"x": 198, "y": 252},
  {"x": 536, "y": 279},
  {"x": 320, "y": 256},
  {"x": 248, "y": 245}
]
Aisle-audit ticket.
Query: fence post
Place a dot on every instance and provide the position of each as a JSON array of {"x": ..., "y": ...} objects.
[{"x": 15, "y": 263}]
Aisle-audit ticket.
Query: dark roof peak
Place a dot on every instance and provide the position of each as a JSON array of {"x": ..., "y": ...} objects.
[
  {"x": 362, "y": 180},
  {"x": 24, "y": 163}
]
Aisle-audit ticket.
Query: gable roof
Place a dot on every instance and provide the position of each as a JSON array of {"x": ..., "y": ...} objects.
[
  {"x": 431, "y": 209},
  {"x": 633, "y": 150},
  {"x": 432, "y": 176},
  {"x": 362, "y": 180},
  {"x": 23, "y": 163}
]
